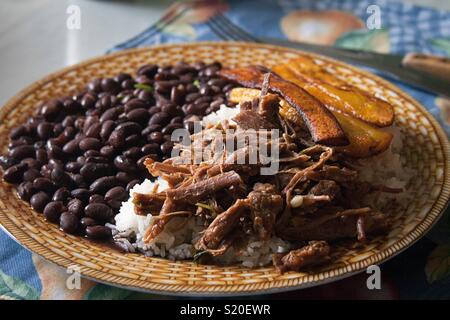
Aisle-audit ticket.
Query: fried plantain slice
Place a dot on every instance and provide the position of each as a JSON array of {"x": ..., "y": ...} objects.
[
  {"x": 334, "y": 93},
  {"x": 365, "y": 139},
  {"x": 321, "y": 123}
]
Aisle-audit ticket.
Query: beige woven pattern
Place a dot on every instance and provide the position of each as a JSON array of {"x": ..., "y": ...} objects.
[{"x": 426, "y": 151}]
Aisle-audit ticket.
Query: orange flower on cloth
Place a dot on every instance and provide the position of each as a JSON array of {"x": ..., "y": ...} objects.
[{"x": 319, "y": 27}]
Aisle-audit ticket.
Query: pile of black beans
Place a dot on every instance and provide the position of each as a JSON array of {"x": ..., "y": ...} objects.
[{"x": 78, "y": 157}]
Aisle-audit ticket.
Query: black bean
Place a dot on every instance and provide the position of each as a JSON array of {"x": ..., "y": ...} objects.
[
  {"x": 124, "y": 177},
  {"x": 150, "y": 148},
  {"x": 171, "y": 127},
  {"x": 99, "y": 159},
  {"x": 133, "y": 139},
  {"x": 110, "y": 85},
  {"x": 43, "y": 184},
  {"x": 92, "y": 153},
  {"x": 103, "y": 184},
  {"x": 39, "y": 200},
  {"x": 151, "y": 128},
  {"x": 191, "y": 97},
  {"x": 131, "y": 184},
  {"x": 51, "y": 109},
  {"x": 78, "y": 180},
  {"x": 122, "y": 131},
  {"x": 107, "y": 127},
  {"x": 90, "y": 144},
  {"x": 117, "y": 139},
  {"x": 177, "y": 119},
  {"x": 69, "y": 223},
  {"x": 31, "y": 174},
  {"x": 87, "y": 221},
  {"x": 62, "y": 194},
  {"x": 110, "y": 114},
  {"x": 202, "y": 100},
  {"x": 94, "y": 86},
  {"x": 25, "y": 190},
  {"x": 166, "y": 147},
  {"x": 20, "y": 142},
  {"x": 228, "y": 87},
  {"x": 94, "y": 130},
  {"x": 135, "y": 104},
  {"x": 132, "y": 153},
  {"x": 92, "y": 171},
  {"x": 53, "y": 210},
  {"x": 96, "y": 198},
  {"x": 81, "y": 194},
  {"x": 139, "y": 115},
  {"x": 7, "y": 161},
  {"x": 73, "y": 167},
  {"x": 108, "y": 151},
  {"x": 99, "y": 212},
  {"x": 21, "y": 152},
  {"x": 156, "y": 137},
  {"x": 124, "y": 164},
  {"x": 54, "y": 151},
  {"x": 88, "y": 101},
  {"x": 98, "y": 232},
  {"x": 45, "y": 130},
  {"x": 18, "y": 132},
  {"x": 60, "y": 177},
  {"x": 116, "y": 193},
  {"x": 71, "y": 106},
  {"x": 31, "y": 163},
  {"x": 41, "y": 156},
  {"x": 148, "y": 70},
  {"x": 154, "y": 110},
  {"x": 69, "y": 133},
  {"x": 160, "y": 118},
  {"x": 177, "y": 94},
  {"x": 76, "y": 207}
]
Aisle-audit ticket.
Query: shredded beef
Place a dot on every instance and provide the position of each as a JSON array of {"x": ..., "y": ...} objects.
[{"x": 315, "y": 253}]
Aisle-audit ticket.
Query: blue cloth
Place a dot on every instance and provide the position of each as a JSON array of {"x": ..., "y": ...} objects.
[{"x": 404, "y": 28}]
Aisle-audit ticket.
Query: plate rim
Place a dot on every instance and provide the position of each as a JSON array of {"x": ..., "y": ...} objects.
[{"x": 437, "y": 208}]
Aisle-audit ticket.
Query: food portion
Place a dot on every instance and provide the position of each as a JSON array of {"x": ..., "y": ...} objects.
[
  {"x": 364, "y": 139},
  {"x": 78, "y": 157},
  {"x": 268, "y": 170},
  {"x": 321, "y": 124},
  {"x": 217, "y": 211},
  {"x": 334, "y": 93}
]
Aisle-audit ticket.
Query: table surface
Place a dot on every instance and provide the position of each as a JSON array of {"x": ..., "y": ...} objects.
[{"x": 35, "y": 41}]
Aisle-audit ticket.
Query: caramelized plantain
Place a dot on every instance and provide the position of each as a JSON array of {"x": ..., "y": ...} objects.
[
  {"x": 365, "y": 139},
  {"x": 321, "y": 123},
  {"x": 334, "y": 93}
]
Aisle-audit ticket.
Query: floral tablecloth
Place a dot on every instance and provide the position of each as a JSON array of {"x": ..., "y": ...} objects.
[{"x": 421, "y": 272}]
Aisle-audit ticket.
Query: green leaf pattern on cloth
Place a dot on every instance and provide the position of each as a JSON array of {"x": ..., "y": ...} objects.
[
  {"x": 438, "y": 264},
  {"x": 441, "y": 43},
  {"x": 14, "y": 288},
  {"x": 369, "y": 40}
]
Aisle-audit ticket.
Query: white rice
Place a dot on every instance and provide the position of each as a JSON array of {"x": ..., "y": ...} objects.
[
  {"x": 224, "y": 113},
  {"x": 176, "y": 241}
]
